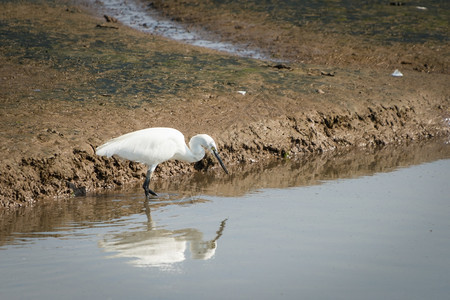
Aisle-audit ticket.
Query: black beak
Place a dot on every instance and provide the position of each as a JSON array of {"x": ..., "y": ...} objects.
[{"x": 220, "y": 161}]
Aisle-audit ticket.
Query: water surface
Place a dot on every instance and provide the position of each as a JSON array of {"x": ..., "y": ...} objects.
[
  {"x": 362, "y": 225},
  {"x": 139, "y": 15}
]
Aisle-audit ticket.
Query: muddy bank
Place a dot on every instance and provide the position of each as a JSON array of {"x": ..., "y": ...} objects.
[{"x": 68, "y": 85}]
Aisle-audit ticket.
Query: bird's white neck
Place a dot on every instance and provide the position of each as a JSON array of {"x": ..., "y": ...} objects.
[{"x": 196, "y": 151}]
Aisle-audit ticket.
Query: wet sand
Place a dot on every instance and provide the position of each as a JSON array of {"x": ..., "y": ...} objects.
[{"x": 67, "y": 85}]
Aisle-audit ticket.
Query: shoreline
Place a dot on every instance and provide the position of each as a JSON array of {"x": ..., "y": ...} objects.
[{"x": 68, "y": 86}]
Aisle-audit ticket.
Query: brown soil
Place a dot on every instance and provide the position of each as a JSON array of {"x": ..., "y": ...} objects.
[{"x": 68, "y": 85}]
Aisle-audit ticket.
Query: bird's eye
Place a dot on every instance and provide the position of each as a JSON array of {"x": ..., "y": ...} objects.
[{"x": 213, "y": 148}]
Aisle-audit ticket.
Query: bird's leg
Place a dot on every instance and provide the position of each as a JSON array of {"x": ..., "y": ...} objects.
[{"x": 147, "y": 182}]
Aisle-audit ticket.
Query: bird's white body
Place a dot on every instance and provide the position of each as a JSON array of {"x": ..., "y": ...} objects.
[{"x": 153, "y": 146}]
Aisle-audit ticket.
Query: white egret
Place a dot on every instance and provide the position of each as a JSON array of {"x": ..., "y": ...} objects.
[{"x": 153, "y": 146}]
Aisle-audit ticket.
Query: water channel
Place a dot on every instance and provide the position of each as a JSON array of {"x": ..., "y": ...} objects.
[{"x": 368, "y": 224}]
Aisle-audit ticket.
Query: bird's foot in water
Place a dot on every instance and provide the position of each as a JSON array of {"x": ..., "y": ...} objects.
[{"x": 150, "y": 194}]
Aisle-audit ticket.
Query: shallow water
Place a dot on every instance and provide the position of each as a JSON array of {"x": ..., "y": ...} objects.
[
  {"x": 363, "y": 225},
  {"x": 140, "y": 16}
]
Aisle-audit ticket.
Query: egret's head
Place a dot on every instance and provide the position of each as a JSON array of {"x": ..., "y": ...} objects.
[{"x": 208, "y": 142}]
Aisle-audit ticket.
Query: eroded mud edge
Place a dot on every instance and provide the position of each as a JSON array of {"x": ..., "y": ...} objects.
[
  {"x": 57, "y": 160},
  {"x": 294, "y": 137}
]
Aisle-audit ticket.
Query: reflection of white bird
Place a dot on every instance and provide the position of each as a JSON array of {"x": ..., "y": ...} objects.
[
  {"x": 153, "y": 146},
  {"x": 161, "y": 248}
]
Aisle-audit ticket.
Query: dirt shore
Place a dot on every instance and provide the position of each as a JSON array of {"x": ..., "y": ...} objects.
[{"x": 70, "y": 81}]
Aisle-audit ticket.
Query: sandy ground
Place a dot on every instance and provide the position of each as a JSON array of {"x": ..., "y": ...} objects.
[{"x": 68, "y": 85}]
